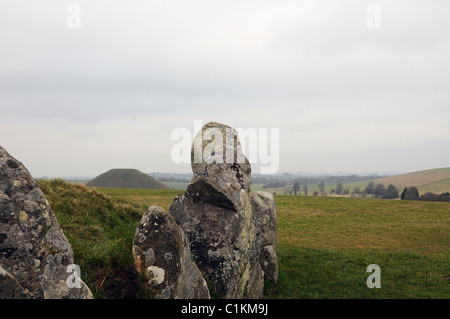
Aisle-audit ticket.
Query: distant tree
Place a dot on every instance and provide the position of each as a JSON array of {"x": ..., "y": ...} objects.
[
  {"x": 305, "y": 188},
  {"x": 444, "y": 197},
  {"x": 357, "y": 190},
  {"x": 429, "y": 197},
  {"x": 346, "y": 191},
  {"x": 370, "y": 188},
  {"x": 379, "y": 190},
  {"x": 410, "y": 193},
  {"x": 296, "y": 187},
  {"x": 316, "y": 193},
  {"x": 321, "y": 186},
  {"x": 402, "y": 195},
  {"x": 339, "y": 188},
  {"x": 391, "y": 192}
]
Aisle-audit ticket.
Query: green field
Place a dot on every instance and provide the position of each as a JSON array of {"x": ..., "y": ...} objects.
[{"x": 324, "y": 243}]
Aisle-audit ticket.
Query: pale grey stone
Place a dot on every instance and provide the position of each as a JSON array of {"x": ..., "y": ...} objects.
[
  {"x": 161, "y": 252},
  {"x": 34, "y": 253},
  {"x": 231, "y": 229}
]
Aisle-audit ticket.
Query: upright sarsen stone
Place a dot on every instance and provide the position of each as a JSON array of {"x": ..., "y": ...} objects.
[
  {"x": 219, "y": 229},
  {"x": 34, "y": 253},
  {"x": 230, "y": 228}
]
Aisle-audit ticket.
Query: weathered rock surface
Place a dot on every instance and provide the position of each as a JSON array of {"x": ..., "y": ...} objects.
[
  {"x": 231, "y": 230},
  {"x": 34, "y": 253},
  {"x": 265, "y": 216},
  {"x": 219, "y": 228},
  {"x": 161, "y": 252},
  {"x": 227, "y": 180}
]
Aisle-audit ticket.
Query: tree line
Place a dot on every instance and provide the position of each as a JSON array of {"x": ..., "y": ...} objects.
[
  {"x": 412, "y": 193},
  {"x": 381, "y": 191},
  {"x": 378, "y": 190},
  {"x": 288, "y": 179}
]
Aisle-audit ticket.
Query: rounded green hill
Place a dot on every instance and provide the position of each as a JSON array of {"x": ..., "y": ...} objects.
[{"x": 126, "y": 178}]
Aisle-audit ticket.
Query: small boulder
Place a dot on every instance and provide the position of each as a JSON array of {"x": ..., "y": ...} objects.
[
  {"x": 265, "y": 216},
  {"x": 161, "y": 253}
]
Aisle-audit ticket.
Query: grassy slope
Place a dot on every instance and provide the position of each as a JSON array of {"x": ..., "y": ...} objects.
[
  {"x": 100, "y": 230},
  {"x": 436, "y": 187}
]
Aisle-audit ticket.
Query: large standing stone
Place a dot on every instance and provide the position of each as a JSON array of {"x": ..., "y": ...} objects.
[
  {"x": 34, "y": 253},
  {"x": 231, "y": 229},
  {"x": 161, "y": 252}
]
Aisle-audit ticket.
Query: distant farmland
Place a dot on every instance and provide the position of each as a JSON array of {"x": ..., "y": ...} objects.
[{"x": 432, "y": 180}]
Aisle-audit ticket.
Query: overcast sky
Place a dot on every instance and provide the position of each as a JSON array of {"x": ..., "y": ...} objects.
[{"x": 352, "y": 87}]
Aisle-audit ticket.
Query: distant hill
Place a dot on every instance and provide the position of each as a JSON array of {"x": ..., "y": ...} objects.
[
  {"x": 432, "y": 180},
  {"x": 126, "y": 178}
]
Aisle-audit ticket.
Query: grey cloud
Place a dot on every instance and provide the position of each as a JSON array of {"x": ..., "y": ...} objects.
[{"x": 311, "y": 68}]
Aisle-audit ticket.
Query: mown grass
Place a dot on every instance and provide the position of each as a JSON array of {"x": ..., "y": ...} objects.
[
  {"x": 349, "y": 224},
  {"x": 324, "y": 243},
  {"x": 320, "y": 273}
]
